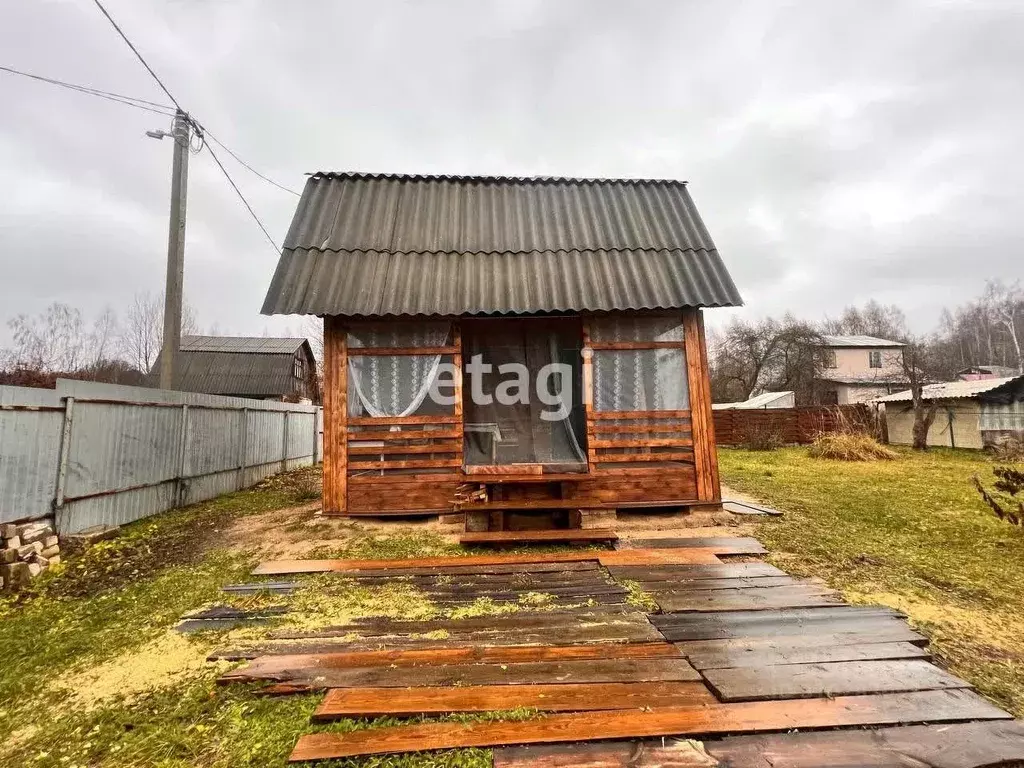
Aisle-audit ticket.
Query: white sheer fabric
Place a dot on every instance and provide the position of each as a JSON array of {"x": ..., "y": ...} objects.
[
  {"x": 640, "y": 379},
  {"x": 393, "y": 385}
]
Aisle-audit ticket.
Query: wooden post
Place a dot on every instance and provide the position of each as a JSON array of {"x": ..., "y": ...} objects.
[
  {"x": 457, "y": 376},
  {"x": 335, "y": 416},
  {"x": 705, "y": 455}
]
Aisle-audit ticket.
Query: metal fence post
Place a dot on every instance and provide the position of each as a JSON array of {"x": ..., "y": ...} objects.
[
  {"x": 242, "y": 445},
  {"x": 65, "y": 451},
  {"x": 284, "y": 443},
  {"x": 179, "y": 482},
  {"x": 316, "y": 435}
]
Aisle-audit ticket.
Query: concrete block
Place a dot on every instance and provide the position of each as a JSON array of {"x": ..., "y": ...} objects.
[
  {"x": 34, "y": 569},
  {"x": 12, "y": 542},
  {"x": 51, "y": 541},
  {"x": 8, "y": 556},
  {"x": 34, "y": 532},
  {"x": 76, "y": 542},
  {"x": 477, "y": 522},
  {"x": 27, "y": 550},
  {"x": 8, "y": 531},
  {"x": 49, "y": 552},
  {"x": 597, "y": 518}
]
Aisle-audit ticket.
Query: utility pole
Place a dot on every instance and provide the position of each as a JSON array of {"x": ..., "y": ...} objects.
[{"x": 175, "y": 251}]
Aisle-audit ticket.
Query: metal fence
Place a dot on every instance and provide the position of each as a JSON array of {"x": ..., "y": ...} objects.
[{"x": 101, "y": 454}]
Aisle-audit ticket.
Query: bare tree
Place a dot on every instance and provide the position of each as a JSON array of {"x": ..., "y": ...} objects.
[
  {"x": 1006, "y": 305},
  {"x": 873, "y": 319},
  {"x": 917, "y": 359},
  {"x": 142, "y": 334},
  {"x": 54, "y": 340},
  {"x": 766, "y": 355}
]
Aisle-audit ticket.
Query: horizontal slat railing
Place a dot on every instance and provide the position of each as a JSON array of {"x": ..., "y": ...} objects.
[{"x": 642, "y": 438}]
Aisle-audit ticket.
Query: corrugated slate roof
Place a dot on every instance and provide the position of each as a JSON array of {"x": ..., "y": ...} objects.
[
  {"x": 257, "y": 344},
  {"x": 953, "y": 390},
  {"x": 859, "y": 341},
  {"x": 236, "y": 365},
  {"x": 373, "y": 245}
]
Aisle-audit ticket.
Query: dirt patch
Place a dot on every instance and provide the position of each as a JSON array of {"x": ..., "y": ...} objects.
[
  {"x": 295, "y": 532},
  {"x": 159, "y": 664}
]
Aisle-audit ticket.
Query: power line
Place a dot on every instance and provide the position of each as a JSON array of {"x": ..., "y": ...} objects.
[
  {"x": 138, "y": 55},
  {"x": 241, "y": 161},
  {"x": 131, "y": 101},
  {"x": 242, "y": 198},
  {"x": 198, "y": 128}
]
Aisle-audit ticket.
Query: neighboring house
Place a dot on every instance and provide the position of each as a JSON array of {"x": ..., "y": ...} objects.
[
  {"x": 979, "y": 372},
  {"x": 424, "y": 280},
  {"x": 245, "y": 366},
  {"x": 763, "y": 401},
  {"x": 855, "y": 369},
  {"x": 971, "y": 414}
]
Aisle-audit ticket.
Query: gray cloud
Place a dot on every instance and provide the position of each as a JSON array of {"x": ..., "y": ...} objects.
[{"x": 838, "y": 151}]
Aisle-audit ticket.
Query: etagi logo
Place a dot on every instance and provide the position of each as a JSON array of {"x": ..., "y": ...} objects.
[{"x": 553, "y": 386}]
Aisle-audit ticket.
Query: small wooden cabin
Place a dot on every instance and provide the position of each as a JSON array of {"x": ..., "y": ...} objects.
[{"x": 444, "y": 298}]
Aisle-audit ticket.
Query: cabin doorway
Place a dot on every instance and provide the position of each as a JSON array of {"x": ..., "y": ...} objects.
[{"x": 523, "y": 396}]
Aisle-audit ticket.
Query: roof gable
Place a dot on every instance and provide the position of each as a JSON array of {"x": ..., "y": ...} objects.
[{"x": 367, "y": 245}]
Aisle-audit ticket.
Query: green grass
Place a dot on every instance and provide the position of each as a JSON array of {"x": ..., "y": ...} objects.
[
  {"x": 911, "y": 533},
  {"x": 118, "y": 598}
]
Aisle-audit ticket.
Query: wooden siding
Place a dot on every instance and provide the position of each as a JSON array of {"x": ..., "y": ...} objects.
[
  {"x": 634, "y": 457},
  {"x": 793, "y": 425}
]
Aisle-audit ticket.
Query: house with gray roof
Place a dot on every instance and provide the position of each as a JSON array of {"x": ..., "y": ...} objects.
[
  {"x": 246, "y": 366},
  {"x": 856, "y": 369}
]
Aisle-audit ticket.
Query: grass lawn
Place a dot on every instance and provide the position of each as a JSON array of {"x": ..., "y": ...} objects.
[{"x": 912, "y": 534}]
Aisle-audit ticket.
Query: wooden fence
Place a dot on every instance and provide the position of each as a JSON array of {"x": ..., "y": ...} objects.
[{"x": 735, "y": 426}]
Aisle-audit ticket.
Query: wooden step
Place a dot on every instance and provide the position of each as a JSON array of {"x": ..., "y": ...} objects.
[
  {"x": 511, "y": 538},
  {"x": 529, "y": 504}
]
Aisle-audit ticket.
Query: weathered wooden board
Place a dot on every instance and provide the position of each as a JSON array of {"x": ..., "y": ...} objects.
[
  {"x": 688, "y": 556},
  {"x": 283, "y": 567},
  {"x": 625, "y": 557},
  {"x": 754, "y": 599},
  {"x": 786, "y": 621},
  {"x": 271, "y": 667},
  {"x": 950, "y": 745},
  {"x": 568, "y": 619},
  {"x": 842, "y": 678},
  {"x": 725, "y": 545},
  {"x": 882, "y": 709},
  {"x": 955, "y": 745},
  {"x": 746, "y": 508},
  {"x": 704, "y": 585},
  {"x": 659, "y": 753},
  {"x": 512, "y": 538},
  {"x": 805, "y": 654},
  {"x": 686, "y": 573},
  {"x": 715, "y": 651},
  {"x": 519, "y": 673},
  {"x": 567, "y": 697},
  {"x": 476, "y": 571}
]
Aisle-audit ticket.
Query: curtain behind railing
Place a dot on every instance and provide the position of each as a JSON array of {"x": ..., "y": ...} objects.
[{"x": 393, "y": 385}]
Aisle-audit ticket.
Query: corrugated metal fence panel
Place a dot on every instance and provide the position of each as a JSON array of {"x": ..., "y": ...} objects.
[
  {"x": 27, "y": 396},
  {"x": 124, "y": 451},
  {"x": 1002, "y": 416},
  {"x": 264, "y": 439},
  {"x": 29, "y": 451},
  {"x": 119, "y": 446}
]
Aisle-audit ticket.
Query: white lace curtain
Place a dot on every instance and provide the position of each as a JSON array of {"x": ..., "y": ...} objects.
[
  {"x": 393, "y": 385},
  {"x": 639, "y": 379}
]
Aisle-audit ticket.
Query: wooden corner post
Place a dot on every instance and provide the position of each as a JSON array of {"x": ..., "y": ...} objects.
[
  {"x": 705, "y": 454},
  {"x": 335, "y": 416}
]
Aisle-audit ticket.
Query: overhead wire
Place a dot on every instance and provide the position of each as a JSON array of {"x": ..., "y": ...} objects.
[
  {"x": 131, "y": 101},
  {"x": 200, "y": 132}
]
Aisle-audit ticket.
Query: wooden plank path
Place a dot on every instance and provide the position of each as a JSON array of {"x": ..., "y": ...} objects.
[
  {"x": 734, "y": 648},
  {"x": 703, "y": 720},
  {"x": 516, "y": 538}
]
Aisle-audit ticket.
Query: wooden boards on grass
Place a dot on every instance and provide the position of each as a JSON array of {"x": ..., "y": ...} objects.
[
  {"x": 722, "y": 545},
  {"x": 566, "y": 697},
  {"x": 842, "y": 678},
  {"x": 949, "y": 745},
  {"x": 559, "y": 536},
  {"x": 785, "y": 621},
  {"x": 744, "y": 598},
  {"x": 501, "y": 674},
  {"x": 633, "y": 557},
  {"x": 882, "y": 709}
]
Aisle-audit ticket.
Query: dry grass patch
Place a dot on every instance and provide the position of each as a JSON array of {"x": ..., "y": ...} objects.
[{"x": 850, "y": 446}]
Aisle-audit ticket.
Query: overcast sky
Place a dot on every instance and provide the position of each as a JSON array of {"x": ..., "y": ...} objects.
[{"x": 838, "y": 151}]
